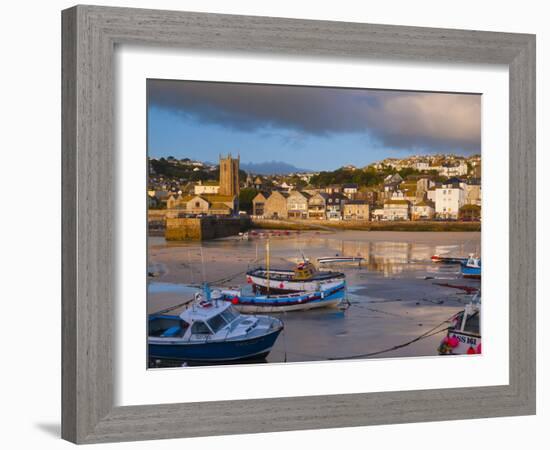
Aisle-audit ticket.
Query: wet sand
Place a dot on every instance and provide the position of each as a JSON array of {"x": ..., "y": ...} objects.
[{"x": 393, "y": 296}]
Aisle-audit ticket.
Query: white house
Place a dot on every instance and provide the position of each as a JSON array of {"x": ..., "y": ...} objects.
[
  {"x": 350, "y": 190},
  {"x": 207, "y": 188},
  {"x": 453, "y": 170},
  {"x": 335, "y": 205},
  {"x": 394, "y": 209},
  {"x": 449, "y": 198},
  {"x": 422, "y": 165},
  {"x": 423, "y": 210}
]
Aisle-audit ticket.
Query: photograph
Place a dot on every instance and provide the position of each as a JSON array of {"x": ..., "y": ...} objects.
[{"x": 290, "y": 223}]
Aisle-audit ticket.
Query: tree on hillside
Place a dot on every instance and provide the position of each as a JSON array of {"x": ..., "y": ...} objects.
[{"x": 245, "y": 199}]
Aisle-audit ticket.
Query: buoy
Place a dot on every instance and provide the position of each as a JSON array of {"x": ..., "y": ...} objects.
[
  {"x": 235, "y": 300},
  {"x": 453, "y": 341},
  {"x": 478, "y": 349},
  {"x": 471, "y": 351},
  {"x": 281, "y": 286},
  {"x": 249, "y": 280}
]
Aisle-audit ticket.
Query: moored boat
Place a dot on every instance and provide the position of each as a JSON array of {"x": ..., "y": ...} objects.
[
  {"x": 448, "y": 259},
  {"x": 464, "y": 336},
  {"x": 297, "y": 301},
  {"x": 471, "y": 268},
  {"x": 303, "y": 278},
  {"x": 340, "y": 260},
  {"x": 210, "y": 331}
]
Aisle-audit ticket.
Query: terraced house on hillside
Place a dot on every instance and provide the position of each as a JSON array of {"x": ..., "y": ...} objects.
[
  {"x": 317, "y": 206},
  {"x": 211, "y": 204},
  {"x": 275, "y": 206},
  {"x": 297, "y": 205},
  {"x": 258, "y": 204}
]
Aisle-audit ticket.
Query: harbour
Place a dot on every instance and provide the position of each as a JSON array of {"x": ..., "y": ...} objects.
[{"x": 398, "y": 302}]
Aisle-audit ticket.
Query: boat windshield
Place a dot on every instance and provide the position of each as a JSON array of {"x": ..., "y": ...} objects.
[
  {"x": 200, "y": 327},
  {"x": 230, "y": 314},
  {"x": 216, "y": 323},
  {"x": 472, "y": 323}
]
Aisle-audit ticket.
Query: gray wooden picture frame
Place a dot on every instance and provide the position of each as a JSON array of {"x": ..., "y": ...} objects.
[{"x": 90, "y": 34}]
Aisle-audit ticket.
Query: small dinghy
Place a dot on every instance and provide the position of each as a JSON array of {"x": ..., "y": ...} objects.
[
  {"x": 464, "y": 336},
  {"x": 340, "y": 260},
  {"x": 448, "y": 259},
  {"x": 211, "y": 330},
  {"x": 327, "y": 297},
  {"x": 471, "y": 268}
]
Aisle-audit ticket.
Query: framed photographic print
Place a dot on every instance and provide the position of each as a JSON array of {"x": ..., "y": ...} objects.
[{"x": 267, "y": 222}]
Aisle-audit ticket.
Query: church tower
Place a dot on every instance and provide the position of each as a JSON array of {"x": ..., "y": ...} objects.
[{"x": 229, "y": 175}]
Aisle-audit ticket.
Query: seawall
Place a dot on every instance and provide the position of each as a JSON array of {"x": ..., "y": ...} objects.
[
  {"x": 366, "y": 225},
  {"x": 204, "y": 228}
]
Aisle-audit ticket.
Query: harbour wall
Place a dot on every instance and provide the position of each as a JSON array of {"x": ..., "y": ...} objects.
[
  {"x": 204, "y": 228},
  {"x": 365, "y": 225}
]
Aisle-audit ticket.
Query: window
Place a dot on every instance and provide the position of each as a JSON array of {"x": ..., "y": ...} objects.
[
  {"x": 200, "y": 328},
  {"x": 216, "y": 323},
  {"x": 197, "y": 205},
  {"x": 229, "y": 314},
  {"x": 472, "y": 323}
]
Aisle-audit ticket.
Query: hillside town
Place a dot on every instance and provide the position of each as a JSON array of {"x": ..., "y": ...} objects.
[{"x": 429, "y": 187}]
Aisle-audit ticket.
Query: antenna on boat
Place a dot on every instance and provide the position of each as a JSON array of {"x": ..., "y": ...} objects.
[
  {"x": 202, "y": 267},
  {"x": 267, "y": 263},
  {"x": 190, "y": 268}
]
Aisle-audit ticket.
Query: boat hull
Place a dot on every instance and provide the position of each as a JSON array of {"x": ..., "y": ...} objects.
[
  {"x": 296, "y": 302},
  {"x": 468, "y": 343},
  {"x": 281, "y": 282},
  {"x": 471, "y": 272},
  {"x": 448, "y": 260},
  {"x": 215, "y": 351},
  {"x": 340, "y": 260}
]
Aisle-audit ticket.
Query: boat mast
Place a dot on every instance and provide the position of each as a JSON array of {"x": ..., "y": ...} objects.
[{"x": 267, "y": 263}]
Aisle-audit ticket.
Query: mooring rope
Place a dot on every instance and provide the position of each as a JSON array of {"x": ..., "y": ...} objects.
[
  {"x": 171, "y": 308},
  {"x": 430, "y": 332}
]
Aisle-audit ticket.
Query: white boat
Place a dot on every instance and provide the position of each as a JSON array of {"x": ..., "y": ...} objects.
[
  {"x": 340, "y": 260},
  {"x": 298, "y": 301},
  {"x": 464, "y": 336},
  {"x": 303, "y": 278}
]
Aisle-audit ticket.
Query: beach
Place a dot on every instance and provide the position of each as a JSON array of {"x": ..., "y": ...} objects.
[{"x": 395, "y": 296}]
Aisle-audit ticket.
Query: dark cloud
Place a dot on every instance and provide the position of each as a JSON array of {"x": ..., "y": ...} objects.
[{"x": 432, "y": 121}]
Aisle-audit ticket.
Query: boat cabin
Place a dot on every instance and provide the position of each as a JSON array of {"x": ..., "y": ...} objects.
[
  {"x": 209, "y": 317},
  {"x": 304, "y": 271},
  {"x": 201, "y": 320}
]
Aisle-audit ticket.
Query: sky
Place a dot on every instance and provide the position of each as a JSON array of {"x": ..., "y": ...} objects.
[{"x": 315, "y": 128}]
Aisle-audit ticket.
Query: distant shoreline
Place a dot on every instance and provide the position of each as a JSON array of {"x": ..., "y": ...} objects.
[{"x": 283, "y": 224}]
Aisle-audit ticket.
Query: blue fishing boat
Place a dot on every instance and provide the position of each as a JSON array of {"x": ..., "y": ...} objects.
[
  {"x": 448, "y": 259},
  {"x": 325, "y": 297},
  {"x": 209, "y": 331},
  {"x": 471, "y": 268}
]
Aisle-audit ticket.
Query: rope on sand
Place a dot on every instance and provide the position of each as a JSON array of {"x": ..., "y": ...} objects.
[
  {"x": 431, "y": 332},
  {"x": 186, "y": 302},
  {"x": 171, "y": 308}
]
